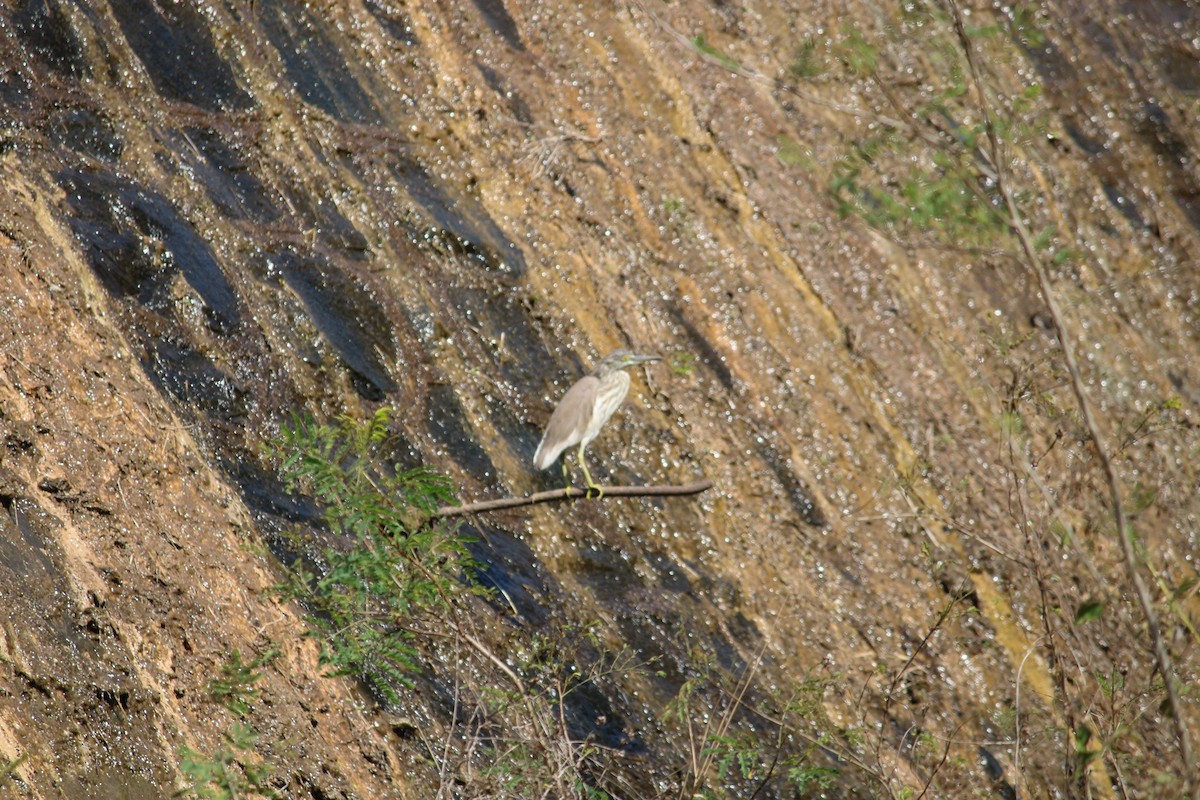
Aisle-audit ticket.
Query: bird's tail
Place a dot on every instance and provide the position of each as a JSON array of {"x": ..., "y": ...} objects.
[{"x": 545, "y": 456}]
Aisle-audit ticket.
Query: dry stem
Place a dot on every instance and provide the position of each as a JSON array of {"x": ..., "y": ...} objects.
[{"x": 1035, "y": 265}]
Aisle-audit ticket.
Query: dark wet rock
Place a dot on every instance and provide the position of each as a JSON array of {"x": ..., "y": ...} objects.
[
  {"x": 176, "y": 46},
  {"x": 227, "y": 175},
  {"x": 46, "y": 30},
  {"x": 500, "y": 21},
  {"x": 88, "y": 133},
  {"x": 136, "y": 241},
  {"x": 349, "y": 317},
  {"x": 315, "y": 63}
]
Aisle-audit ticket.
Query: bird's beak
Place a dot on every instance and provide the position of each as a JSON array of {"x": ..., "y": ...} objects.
[{"x": 638, "y": 358}]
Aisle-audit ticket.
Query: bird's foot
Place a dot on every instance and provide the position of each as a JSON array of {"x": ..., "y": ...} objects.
[{"x": 587, "y": 477}]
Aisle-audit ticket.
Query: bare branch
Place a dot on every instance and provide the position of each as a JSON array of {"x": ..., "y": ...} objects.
[{"x": 570, "y": 493}]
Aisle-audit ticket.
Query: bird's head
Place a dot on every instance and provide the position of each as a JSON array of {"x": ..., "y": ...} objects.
[{"x": 621, "y": 359}]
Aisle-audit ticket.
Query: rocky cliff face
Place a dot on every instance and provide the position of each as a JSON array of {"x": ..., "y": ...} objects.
[{"x": 220, "y": 213}]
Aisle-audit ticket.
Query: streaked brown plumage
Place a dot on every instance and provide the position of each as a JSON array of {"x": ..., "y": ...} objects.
[{"x": 586, "y": 408}]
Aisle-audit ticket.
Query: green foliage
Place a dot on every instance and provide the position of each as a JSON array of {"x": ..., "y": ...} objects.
[
  {"x": 857, "y": 54},
  {"x": 806, "y": 62},
  {"x": 228, "y": 774},
  {"x": 786, "y": 748},
  {"x": 1110, "y": 684},
  {"x": 791, "y": 152},
  {"x": 1025, "y": 26},
  {"x": 942, "y": 196},
  {"x": 1085, "y": 750},
  {"x": 736, "y": 755},
  {"x": 702, "y": 45},
  {"x": 749, "y": 758},
  {"x": 400, "y": 579},
  {"x": 1012, "y": 425},
  {"x": 683, "y": 363},
  {"x": 342, "y": 465},
  {"x": 806, "y": 778},
  {"x": 235, "y": 687},
  {"x": 674, "y": 205},
  {"x": 929, "y": 181},
  {"x": 1089, "y": 611},
  {"x": 397, "y": 571},
  {"x": 234, "y": 770}
]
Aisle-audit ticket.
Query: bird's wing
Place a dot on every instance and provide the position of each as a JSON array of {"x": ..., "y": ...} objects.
[{"x": 568, "y": 422}]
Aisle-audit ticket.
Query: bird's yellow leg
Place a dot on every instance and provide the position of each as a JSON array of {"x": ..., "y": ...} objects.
[
  {"x": 587, "y": 476},
  {"x": 566, "y": 478}
]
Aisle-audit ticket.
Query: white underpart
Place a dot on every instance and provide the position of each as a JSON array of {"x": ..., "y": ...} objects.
[{"x": 583, "y": 411}]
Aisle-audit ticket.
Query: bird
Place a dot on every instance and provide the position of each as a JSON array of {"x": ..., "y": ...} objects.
[{"x": 586, "y": 408}]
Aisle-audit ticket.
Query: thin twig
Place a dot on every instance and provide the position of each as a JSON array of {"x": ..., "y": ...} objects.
[
  {"x": 570, "y": 493},
  {"x": 708, "y": 754},
  {"x": 960, "y": 595},
  {"x": 483, "y": 650},
  {"x": 1017, "y": 713},
  {"x": 822, "y": 743},
  {"x": 938, "y": 767},
  {"x": 1035, "y": 265}
]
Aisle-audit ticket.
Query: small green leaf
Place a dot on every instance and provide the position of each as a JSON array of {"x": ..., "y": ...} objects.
[
  {"x": 702, "y": 45},
  {"x": 1083, "y": 738},
  {"x": 1090, "y": 610},
  {"x": 1044, "y": 238},
  {"x": 790, "y": 152},
  {"x": 805, "y": 61},
  {"x": 1184, "y": 589},
  {"x": 1011, "y": 423}
]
